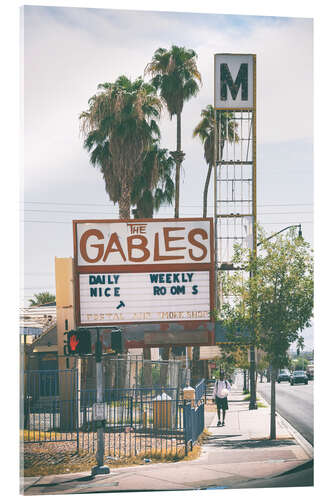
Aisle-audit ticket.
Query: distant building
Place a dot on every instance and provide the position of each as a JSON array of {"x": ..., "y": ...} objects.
[{"x": 38, "y": 331}]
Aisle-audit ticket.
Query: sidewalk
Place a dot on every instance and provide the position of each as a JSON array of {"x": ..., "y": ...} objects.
[{"x": 231, "y": 456}]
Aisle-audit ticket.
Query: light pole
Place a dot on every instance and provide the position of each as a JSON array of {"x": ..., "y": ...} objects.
[{"x": 281, "y": 231}]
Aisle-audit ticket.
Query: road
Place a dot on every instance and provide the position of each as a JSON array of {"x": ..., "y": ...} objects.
[{"x": 294, "y": 403}]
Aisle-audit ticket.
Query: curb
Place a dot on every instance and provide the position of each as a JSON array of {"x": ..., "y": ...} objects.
[{"x": 307, "y": 447}]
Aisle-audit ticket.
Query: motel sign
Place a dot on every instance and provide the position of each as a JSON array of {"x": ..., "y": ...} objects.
[
  {"x": 234, "y": 81},
  {"x": 149, "y": 271}
]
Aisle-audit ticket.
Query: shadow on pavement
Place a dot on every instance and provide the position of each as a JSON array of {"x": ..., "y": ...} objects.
[
  {"x": 77, "y": 479},
  {"x": 220, "y": 441},
  {"x": 216, "y": 437}
]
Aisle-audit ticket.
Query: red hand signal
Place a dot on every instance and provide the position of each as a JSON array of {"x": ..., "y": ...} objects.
[{"x": 73, "y": 342}]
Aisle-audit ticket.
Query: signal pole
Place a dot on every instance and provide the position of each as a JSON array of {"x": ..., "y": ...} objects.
[{"x": 99, "y": 411}]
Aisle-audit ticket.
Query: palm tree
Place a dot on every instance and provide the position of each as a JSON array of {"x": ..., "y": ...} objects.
[
  {"x": 154, "y": 185},
  {"x": 100, "y": 156},
  {"x": 205, "y": 130},
  {"x": 174, "y": 72},
  {"x": 150, "y": 188},
  {"x": 42, "y": 298},
  {"x": 121, "y": 126}
]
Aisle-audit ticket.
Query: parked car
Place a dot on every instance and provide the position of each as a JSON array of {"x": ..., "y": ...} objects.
[
  {"x": 283, "y": 376},
  {"x": 298, "y": 377},
  {"x": 310, "y": 371}
]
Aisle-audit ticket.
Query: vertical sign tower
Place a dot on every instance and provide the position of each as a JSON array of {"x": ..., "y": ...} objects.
[
  {"x": 235, "y": 201},
  {"x": 235, "y": 156}
]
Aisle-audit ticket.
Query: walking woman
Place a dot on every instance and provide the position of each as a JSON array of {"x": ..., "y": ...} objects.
[{"x": 220, "y": 395}]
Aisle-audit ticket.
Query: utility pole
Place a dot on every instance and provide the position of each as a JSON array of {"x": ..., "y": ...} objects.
[{"x": 99, "y": 412}]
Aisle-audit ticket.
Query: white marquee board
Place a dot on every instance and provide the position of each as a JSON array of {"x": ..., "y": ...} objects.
[{"x": 141, "y": 297}]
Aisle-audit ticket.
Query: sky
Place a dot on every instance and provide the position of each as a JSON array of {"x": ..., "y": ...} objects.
[{"x": 69, "y": 51}]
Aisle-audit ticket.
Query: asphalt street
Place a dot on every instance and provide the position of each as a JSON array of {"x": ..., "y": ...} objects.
[{"x": 294, "y": 403}]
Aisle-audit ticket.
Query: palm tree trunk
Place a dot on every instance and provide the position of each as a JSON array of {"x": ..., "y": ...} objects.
[
  {"x": 205, "y": 194},
  {"x": 178, "y": 163},
  {"x": 125, "y": 201}
]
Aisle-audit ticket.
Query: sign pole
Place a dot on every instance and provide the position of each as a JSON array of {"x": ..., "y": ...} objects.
[
  {"x": 235, "y": 92},
  {"x": 100, "y": 468},
  {"x": 253, "y": 390}
]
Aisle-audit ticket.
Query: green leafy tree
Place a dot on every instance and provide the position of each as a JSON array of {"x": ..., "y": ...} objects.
[
  {"x": 205, "y": 130},
  {"x": 233, "y": 356},
  {"x": 275, "y": 303},
  {"x": 174, "y": 72},
  {"x": 262, "y": 366},
  {"x": 300, "y": 363},
  {"x": 42, "y": 298},
  {"x": 120, "y": 128}
]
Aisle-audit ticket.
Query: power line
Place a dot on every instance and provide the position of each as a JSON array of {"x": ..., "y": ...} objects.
[
  {"x": 70, "y": 222},
  {"x": 38, "y": 274},
  {"x": 111, "y": 213},
  {"x": 48, "y": 221},
  {"x": 182, "y": 205},
  {"x": 37, "y": 287}
]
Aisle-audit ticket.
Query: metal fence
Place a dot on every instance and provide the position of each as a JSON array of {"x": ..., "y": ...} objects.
[
  {"x": 132, "y": 371},
  {"x": 200, "y": 390},
  {"x": 50, "y": 404},
  {"x": 139, "y": 419},
  {"x": 194, "y": 422},
  {"x": 194, "y": 416}
]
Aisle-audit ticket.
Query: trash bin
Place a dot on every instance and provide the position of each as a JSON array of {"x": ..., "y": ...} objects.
[{"x": 162, "y": 412}]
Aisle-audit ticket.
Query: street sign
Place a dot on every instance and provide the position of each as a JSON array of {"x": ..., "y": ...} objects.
[
  {"x": 99, "y": 411},
  {"x": 234, "y": 86},
  {"x": 144, "y": 271}
]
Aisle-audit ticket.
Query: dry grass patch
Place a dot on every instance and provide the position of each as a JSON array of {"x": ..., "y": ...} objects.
[
  {"x": 27, "y": 435},
  {"x": 61, "y": 458}
]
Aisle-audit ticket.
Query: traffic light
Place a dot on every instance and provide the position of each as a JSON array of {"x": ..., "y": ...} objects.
[{"x": 78, "y": 342}]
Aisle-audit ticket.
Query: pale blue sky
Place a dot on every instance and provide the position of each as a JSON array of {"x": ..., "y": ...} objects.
[{"x": 69, "y": 51}]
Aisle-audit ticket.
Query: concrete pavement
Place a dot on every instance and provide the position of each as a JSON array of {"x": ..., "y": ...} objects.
[{"x": 231, "y": 457}]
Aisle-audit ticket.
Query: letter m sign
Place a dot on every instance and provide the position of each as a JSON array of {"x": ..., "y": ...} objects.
[{"x": 234, "y": 81}]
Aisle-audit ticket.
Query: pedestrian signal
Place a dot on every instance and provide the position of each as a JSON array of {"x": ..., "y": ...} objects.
[{"x": 78, "y": 342}]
